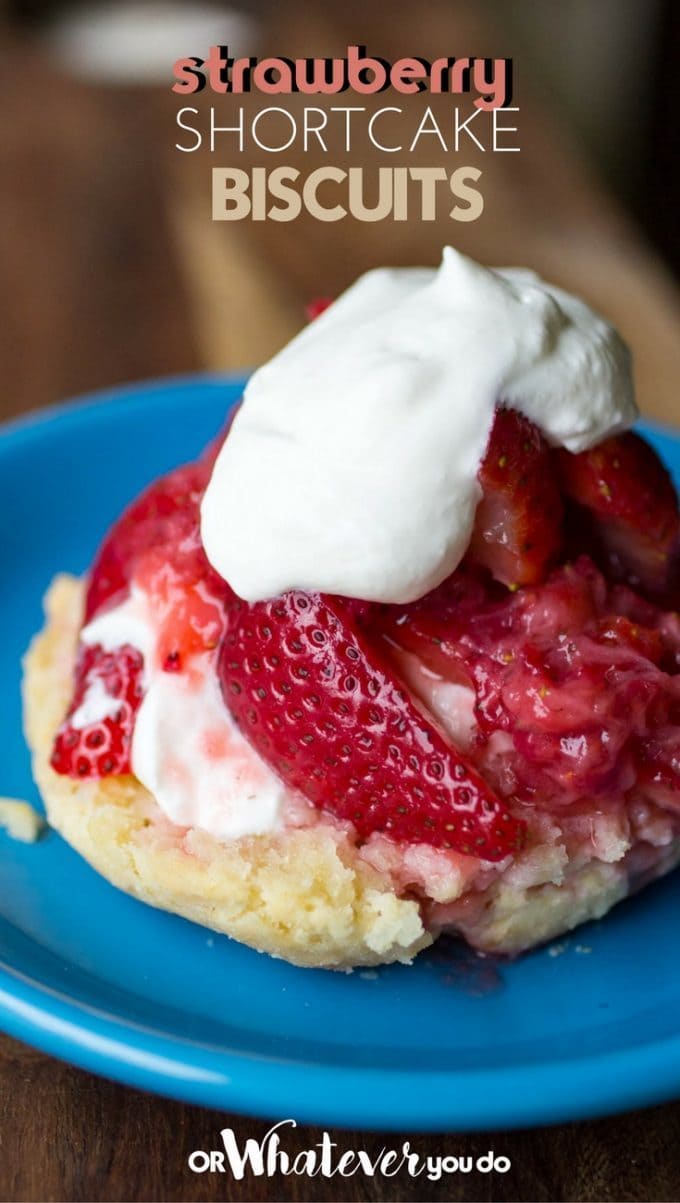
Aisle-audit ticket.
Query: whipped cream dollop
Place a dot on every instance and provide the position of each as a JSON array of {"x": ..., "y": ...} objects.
[
  {"x": 186, "y": 747},
  {"x": 351, "y": 467}
]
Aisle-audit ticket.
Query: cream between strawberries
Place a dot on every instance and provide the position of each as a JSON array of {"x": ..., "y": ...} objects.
[
  {"x": 186, "y": 748},
  {"x": 352, "y": 465}
]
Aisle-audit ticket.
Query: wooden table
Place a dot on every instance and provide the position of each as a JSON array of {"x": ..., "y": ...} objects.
[{"x": 113, "y": 271}]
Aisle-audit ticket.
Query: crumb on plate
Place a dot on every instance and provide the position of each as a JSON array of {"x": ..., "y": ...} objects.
[{"x": 20, "y": 820}]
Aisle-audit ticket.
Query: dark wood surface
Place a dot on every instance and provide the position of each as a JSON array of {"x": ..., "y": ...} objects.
[
  {"x": 67, "y": 1135},
  {"x": 103, "y": 281}
]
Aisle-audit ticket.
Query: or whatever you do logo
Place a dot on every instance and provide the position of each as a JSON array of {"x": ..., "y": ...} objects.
[{"x": 326, "y": 1159}]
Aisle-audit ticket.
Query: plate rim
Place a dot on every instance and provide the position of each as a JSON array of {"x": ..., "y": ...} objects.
[
  {"x": 367, "y": 1097},
  {"x": 128, "y": 392},
  {"x": 370, "y": 1097}
]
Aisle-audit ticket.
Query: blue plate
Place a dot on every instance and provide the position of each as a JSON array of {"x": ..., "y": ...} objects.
[{"x": 86, "y": 973}]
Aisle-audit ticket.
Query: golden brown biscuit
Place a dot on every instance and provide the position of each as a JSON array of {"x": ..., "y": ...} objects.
[
  {"x": 302, "y": 895},
  {"x": 306, "y": 895}
]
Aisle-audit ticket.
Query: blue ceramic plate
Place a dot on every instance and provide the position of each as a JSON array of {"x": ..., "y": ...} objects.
[{"x": 86, "y": 973}]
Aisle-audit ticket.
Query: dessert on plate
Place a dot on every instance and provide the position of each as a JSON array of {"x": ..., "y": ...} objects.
[{"x": 399, "y": 655}]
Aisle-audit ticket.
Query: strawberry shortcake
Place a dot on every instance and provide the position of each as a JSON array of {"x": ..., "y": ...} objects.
[{"x": 400, "y": 654}]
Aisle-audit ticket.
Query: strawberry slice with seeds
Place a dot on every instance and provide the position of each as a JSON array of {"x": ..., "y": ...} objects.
[
  {"x": 108, "y": 686},
  {"x": 518, "y": 526},
  {"x": 622, "y": 485},
  {"x": 319, "y": 701},
  {"x": 165, "y": 517},
  {"x": 156, "y": 543}
]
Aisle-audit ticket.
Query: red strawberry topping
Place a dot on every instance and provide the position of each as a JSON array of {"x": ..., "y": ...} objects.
[
  {"x": 518, "y": 527},
  {"x": 157, "y": 543},
  {"x": 101, "y": 749},
  {"x": 622, "y": 485},
  {"x": 575, "y": 675},
  {"x": 165, "y": 518},
  {"x": 320, "y": 703},
  {"x": 658, "y": 765}
]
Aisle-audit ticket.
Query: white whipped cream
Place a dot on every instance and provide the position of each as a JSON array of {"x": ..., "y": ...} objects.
[
  {"x": 352, "y": 465},
  {"x": 186, "y": 748},
  {"x": 188, "y": 751},
  {"x": 97, "y": 705}
]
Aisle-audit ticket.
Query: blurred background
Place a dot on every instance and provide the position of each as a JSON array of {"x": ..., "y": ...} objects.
[{"x": 111, "y": 268}]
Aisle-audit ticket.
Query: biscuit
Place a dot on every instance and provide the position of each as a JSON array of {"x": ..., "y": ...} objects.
[{"x": 306, "y": 895}]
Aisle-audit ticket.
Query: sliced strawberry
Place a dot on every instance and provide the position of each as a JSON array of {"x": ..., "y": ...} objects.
[
  {"x": 187, "y": 608},
  {"x": 438, "y": 627},
  {"x": 157, "y": 544},
  {"x": 625, "y": 488},
  {"x": 101, "y": 748},
  {"x": 164, "y": 515},
  {"x": 157, "y": 541},
  {"x": 319, "y": 701},
  {"x": 518, "y": 526}
]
